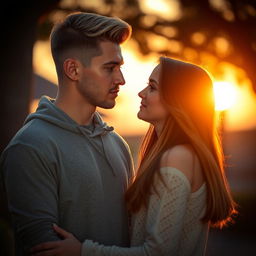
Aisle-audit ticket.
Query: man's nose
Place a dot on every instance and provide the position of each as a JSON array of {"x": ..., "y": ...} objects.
[{"x": 120, "y": 78}]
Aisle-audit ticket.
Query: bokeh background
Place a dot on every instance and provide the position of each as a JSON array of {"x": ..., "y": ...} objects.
[{"x": 219, "y": 35}]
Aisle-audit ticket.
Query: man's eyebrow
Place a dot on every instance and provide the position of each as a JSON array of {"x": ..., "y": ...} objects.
[{"x": 118, "y": 63}]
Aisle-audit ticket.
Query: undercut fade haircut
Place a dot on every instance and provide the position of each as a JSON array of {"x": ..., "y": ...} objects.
[{"x": 81, "y": 33}]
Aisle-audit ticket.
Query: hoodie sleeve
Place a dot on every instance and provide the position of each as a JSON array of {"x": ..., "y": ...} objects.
[{"x": 31, "y": 187}]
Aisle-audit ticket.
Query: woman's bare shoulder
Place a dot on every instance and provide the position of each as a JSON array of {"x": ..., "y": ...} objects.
[{"x": 180, "y": 157}]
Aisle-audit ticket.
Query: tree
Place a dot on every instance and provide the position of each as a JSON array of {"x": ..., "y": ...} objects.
[
  {"x": 18, "y": 27},
  {"x": 19, "y": 30}
]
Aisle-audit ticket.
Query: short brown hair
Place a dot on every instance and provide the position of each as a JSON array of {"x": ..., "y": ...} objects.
[{"x": 84, "y": 31}]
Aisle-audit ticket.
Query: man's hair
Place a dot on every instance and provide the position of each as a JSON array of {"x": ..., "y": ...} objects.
[{"x": 83, "y": 32}]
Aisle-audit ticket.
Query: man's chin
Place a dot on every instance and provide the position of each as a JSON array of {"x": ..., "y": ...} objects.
[{"x": 107, "y": 105}]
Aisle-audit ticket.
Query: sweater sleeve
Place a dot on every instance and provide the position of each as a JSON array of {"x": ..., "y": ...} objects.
[
  {"x": 165, "y": 217},
  {"x": 31, "y": 189}
]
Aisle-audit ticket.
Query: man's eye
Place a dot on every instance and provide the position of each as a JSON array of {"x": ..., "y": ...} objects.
[{"x": 109, "y": 69}]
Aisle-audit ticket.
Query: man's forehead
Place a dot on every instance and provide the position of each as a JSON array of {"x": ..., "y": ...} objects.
[{"x": 110, "y": 54}]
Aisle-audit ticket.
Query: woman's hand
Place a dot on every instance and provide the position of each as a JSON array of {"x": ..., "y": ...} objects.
[{"x": 70, "y": 246}]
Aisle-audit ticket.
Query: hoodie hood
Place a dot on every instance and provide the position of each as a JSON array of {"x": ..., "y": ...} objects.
[{"x": 50, "y": 113}]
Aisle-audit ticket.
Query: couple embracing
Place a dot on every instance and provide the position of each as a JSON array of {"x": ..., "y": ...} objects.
[{"x": 69, "y": 177}]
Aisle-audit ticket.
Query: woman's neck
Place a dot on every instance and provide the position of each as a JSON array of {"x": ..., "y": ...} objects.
[{"x": 159, "y": 127}]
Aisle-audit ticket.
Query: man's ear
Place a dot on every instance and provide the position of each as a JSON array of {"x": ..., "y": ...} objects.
[{"x": 71, "y": 69}]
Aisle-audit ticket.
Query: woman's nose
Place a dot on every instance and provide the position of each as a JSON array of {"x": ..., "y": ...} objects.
[{"x": 141, "y": 94}]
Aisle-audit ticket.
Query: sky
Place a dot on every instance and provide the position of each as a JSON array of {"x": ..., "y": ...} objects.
[{"x": 136, "y": 70}]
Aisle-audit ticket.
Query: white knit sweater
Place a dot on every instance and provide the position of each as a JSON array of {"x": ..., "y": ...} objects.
[{"x": 170, "y": 226}]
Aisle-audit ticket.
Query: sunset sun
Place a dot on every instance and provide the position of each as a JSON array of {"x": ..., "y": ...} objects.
[{"x": 225, "y": 95}]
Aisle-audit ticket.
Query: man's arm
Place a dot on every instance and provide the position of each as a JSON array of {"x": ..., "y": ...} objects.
[{"x": 31, "y": 187}]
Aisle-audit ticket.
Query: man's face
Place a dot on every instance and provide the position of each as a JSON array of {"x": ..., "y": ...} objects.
[{"x": 99, "y": 83}]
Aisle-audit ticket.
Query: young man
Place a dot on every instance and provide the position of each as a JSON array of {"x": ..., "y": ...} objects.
[{"x": 65, "y": 165}]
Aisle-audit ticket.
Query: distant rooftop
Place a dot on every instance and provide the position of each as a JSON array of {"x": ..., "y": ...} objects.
[{"x": 44, "y": 87}]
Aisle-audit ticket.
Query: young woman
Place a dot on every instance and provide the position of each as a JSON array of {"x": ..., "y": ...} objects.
[{"x": 180, "y": 188}]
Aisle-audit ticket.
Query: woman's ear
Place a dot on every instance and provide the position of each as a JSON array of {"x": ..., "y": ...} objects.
[{"x": 71, "y": 69}]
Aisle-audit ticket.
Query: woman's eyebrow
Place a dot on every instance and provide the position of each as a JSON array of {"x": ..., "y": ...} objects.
[{"x": 153, "y": 81}]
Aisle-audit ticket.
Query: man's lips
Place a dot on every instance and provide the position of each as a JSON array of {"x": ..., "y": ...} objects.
[
  {"x": 114, "y": 91},
  {"x": 142, "y": 105}
]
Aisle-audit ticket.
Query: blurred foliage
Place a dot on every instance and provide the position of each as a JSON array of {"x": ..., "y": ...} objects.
[{"x": 205, "y": 32}]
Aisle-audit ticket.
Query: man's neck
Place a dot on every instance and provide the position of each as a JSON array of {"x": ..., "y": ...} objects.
[{"x": 81, "y": 112}]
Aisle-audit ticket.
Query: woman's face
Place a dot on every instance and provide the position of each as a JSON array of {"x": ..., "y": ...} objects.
[{"x": 152, "y": 109}]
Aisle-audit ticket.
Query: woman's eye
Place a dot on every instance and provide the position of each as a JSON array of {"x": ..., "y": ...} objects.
[{"x": 151, "y": 87}]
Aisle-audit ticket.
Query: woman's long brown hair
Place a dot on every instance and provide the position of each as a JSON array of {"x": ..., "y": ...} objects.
[{"x": 186, "y": 90}]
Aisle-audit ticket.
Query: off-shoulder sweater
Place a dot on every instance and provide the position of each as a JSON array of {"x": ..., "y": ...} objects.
[{"x": 171, "y": 225}]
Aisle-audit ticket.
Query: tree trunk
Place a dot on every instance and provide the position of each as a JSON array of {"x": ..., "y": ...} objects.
[
  {"x": 18, "y": 38},
  {"x": 18, "y": 35}
]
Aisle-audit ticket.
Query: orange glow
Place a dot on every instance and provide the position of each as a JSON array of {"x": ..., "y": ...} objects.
[
  {"x": 148, "y": 20},
  {"x": 225, "y": 95},
  {"x": 136, "y": 70},
  {"x": 167, "y": 31},
  {"x": 198, "y": 38},
  {"x": 222, "y": 46},
  {"x": 157, "y": 43},
  {"x": 223, "y": 7},
  {"x": 168, "y": 9},
  {"x": 42, "y": 61},
  {"x": 190, "y": 54},
  {"x": 242, "y": 115}
]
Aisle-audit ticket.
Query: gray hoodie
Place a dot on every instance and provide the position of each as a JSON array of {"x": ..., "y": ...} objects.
[{"x": 56, "y": 171}]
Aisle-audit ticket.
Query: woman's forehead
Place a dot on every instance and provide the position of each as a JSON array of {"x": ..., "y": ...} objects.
[{"x": 155, "y": 72}]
